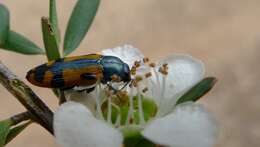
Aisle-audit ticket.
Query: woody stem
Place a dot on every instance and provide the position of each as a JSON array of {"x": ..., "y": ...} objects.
[{"x": 24, "y": 94}]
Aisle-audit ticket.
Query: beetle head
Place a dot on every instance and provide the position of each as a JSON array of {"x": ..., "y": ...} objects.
[{"x": 115, "y": 66}]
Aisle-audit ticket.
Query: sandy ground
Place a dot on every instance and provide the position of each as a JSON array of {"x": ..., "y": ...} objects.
[{"x": 224, "y": 34}]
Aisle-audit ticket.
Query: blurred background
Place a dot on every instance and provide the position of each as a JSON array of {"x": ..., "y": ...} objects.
[{"x": 224, "y": 34}]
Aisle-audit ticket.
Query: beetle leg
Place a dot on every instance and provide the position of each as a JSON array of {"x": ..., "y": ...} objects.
[{"x": 62, "y": 97}]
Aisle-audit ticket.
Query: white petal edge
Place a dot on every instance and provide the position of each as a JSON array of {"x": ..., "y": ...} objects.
[
  {"x": 127, "y": 53},
  {"x": 183, "y": 73},
  {"x": 75, "y": 126},
  {"x": 87, "y": 99},
  {"x": 188, "y": 126}
]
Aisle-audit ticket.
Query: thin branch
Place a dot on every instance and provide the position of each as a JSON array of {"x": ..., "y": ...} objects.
[
  {"x": 25, "y": 95},
  {"x": 18, "y": 118}
]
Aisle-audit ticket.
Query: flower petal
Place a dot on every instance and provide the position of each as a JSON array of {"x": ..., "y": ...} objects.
[
  {"x": 127, "y": 53},
  {"x": 183, "y": 73},
  {"x": 87, "y": 99},
  {"x": 74, "y": 126},
  {"x": 188, "y": 126}
]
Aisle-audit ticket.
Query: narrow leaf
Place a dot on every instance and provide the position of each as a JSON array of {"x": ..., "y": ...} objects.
[
  {"x": 16, "y": 131},
  {"x": 4, "y": 130},
  {"x": 50, "y": 41},
  {"x": 18, "y": 43},
  {"x": 4, "y": 23},
  {"x": 80, "y": 21},
  {"x": 196, "y": 92},
  {"x": 54, "y": 19}
]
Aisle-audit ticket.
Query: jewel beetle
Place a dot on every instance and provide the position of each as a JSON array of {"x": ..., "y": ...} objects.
[{"x": 69, "y": 72}]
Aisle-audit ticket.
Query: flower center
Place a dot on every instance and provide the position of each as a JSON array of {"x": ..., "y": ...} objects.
[{"x": 131, "y": 106}]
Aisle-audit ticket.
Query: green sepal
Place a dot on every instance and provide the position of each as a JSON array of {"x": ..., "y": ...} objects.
[
  {"x": 199, "y": 90},
  {"x": 50, "y": 42},
  {"x": 134, "y": 138},
  {"x": 80, "y": 21},
  {"x": 4, "y": 23},
  {"x": 18, "y": 43}
]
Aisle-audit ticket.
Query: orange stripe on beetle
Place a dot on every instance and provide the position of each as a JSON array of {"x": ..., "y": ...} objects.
[{"x": 83, "y": 70}]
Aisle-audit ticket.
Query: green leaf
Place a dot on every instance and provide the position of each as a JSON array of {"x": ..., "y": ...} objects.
[
  {"x": 18, "y": 43},
  {"x": 5, "y": 126},
  {"x": 54, "y": 19},
  {"x": 7, "y": 133},
  {"x": 16, "y": 131},
  {"x": 196, "y": 92},
  {"x": 4, "y": 23},
  {"x": 50, "y": 41},
  {"x": 80, "y": 21}
]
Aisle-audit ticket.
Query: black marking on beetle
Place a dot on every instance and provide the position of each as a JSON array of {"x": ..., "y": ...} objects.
[
  {"x": 40, "y": 72},
  {"x": 59, "y": 60},
  {"x": 29, "y": 73},
  {"x": 89, "y": 76},
  {"x": 57, "y": 81},
  {"x": 66, "y": 88}
]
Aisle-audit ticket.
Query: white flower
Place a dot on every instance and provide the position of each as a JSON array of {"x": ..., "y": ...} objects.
[
  {"x": 185, "y": 125},
  {"x": 127, "y": 53}
]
